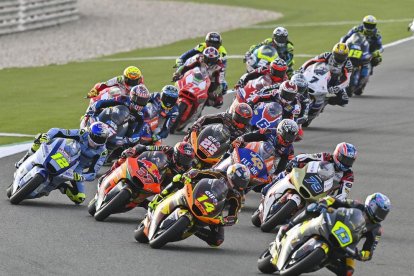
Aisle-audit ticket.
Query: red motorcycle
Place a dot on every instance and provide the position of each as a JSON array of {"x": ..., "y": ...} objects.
[{"x": 193, "y": 88}]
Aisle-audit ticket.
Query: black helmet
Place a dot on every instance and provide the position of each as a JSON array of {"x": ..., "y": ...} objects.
[
  {"x": 169, "y": 96},
  {"x": 213, "y": 39}
]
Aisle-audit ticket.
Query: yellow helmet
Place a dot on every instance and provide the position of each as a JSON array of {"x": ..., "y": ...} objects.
[
  {"x": 132, "y": 75},
  {"x": 369, "y": 24},
  {"x": 340, "y": 52}
]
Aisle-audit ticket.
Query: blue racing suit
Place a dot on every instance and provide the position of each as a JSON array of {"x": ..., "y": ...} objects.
[
  {"x": 136, "y": 120},
  {"x": 165, "y": 117}
]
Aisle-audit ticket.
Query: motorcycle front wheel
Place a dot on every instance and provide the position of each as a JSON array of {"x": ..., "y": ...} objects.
[
  {"x": 171, "y": 234},
  {"x": 280, "y": 217},
  {"x": 139, "y": 234},
  {"x": 304, "y": 265},
  {"x": 116, "y": 203},
  {"x": 264, "y": 264},
  {"x": 23, "y": 192}
]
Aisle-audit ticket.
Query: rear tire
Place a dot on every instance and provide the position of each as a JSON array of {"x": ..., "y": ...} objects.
[
  {"x": 280, "y": 217},
  {"x": 172, "y": 233},
  {"x": 139, "y": 234},
  {"x": 306, "y": 264},
  {"x": 264, "y": 264},
  {"x": 256, "y": 219},
  {"x": 182, "y": 107},
  {"x": 117, "y": 202},
  {"x": 22, "y": 193}
]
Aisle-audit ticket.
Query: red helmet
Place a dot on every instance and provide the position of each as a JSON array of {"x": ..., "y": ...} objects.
[
  {"x": 288, "y": 91},
  {"x": 183, "y": 156},
  {"x": 242, "y": 115},
  {"x": 278, "y": 69},
  {"x": 139, "y": 96}
]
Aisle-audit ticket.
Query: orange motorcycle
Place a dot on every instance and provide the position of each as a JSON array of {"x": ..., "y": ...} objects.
[
  {"x": 178, "y": 216},
  {"x": 128, "y": 185}
]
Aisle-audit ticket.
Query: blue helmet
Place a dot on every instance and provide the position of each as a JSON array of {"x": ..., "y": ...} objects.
[
  {"x": 344, "y": 156},
  {"x": 377, "y": 207},
  {"x": 169, "y": 96},
  {"x": 98, "y": 134}
]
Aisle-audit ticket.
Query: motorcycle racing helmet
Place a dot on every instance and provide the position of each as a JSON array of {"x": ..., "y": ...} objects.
[
  {"x": 238, "y": 176},
  {"x": 344, "y": 156},
  {"x": 369, "y": 24},
  {"x": 242, "y": 115},
  {"x": 278, "y": 68},
  {"x": 213, "y": 39},
  {"x": 139, "y": 96},
  {"x": 169, "y": 96},
  {"x": 280, "y": 36},
  {"x": 98, "y": 134},
  {"x": 288, "y": 91},
  {"x": 287, "y": 130},
  {"x": 339, "y": 54},
  {"x": 211, "y": 55},
  {"x": 377, "y": 207},
  {"x": 183, "y": 156},
  {"x": 132, "y": 76},
  {"x": 301, "y": 82}
]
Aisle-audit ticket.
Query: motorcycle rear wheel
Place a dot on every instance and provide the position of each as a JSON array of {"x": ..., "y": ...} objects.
[
  {"x": 280, "y": 217},
  {"x": 23, "y": 192},
  {"x": 264, "y": 264},
  {"x": 171, "y": 234},
  {"x": 304, "y": 265},
  {"x": 117, "y": 202}
]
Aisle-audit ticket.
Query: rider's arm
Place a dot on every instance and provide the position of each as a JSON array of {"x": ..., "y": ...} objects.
[
  {"x": 349, "y": 34},
  {"x": 264, "y": 42},
  {"x": 96, "y": 164},
  {"x": 234, "y": 200},
  {"x": 254, "y": 136},
  {"x": 210, "y": 119},
  {"x": 251, "y": 76},
  {"x": 102, "y": 85},
  {"x": 97, "y": 106},
  {"x": 171, "y": 118},
  {"x": 192, "y": 52},
  {"x": 319, "y": 58},
  {"x": 345, "y": 183},
  {"x": 371, "y": 242},
  {"x": 74, "y": 134}
]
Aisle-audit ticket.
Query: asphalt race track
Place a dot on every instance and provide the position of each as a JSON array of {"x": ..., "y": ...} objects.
[{"x": 51, "y": 236}]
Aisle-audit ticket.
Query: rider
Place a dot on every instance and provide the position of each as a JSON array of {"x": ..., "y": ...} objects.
[
  {"x": 131, "y": 77},
  {"x": 281, "y": 138},
  {"x": 137, "y": 100},
  {"x": 342, "y": 158},
  {"x": 376, "y": 208},
  {"x": 304, "y": 100},
  {"x": 209, "y": 61},
  {"x": 213, "y": 39},
  {"x": 165, "y": 103},
  {"x": 275, "y": 73},
  {"x": 93, "y": 155},
  {"x": 341, "y": 71},
  {"x": 285, "y": 95},
  {"x": 281, "y": 43},
  {"x": 236, "y": 178},
  {"x": 237, "y": 122},
  {"x": 369, "y": 29}
]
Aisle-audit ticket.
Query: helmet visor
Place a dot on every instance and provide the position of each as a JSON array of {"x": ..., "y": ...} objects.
[
  {"x": 288, "y": 96},
  {"x": 215, "y": 44},
  {"x": 132, "y": 82},
  {"x": 369, "y": 26},
  {"x": 141, "y": 101},
  {"x": 280, "y": 40},
  {"x": 168, "y": 101},
  {"x": 98, "y": 140},
  {"x": 340, "y": 59},
  {"x": 345, "y": 160},
  {"x": 378, "y": 213},
  {"x": 277, "y": 73},
  {"x": 241, "y": 119},
  {"x": 289, "y": 137}
]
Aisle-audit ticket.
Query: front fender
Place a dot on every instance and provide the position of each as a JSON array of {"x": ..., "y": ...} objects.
[
  {"x": 169, "y": 220},
  {"x": 24, "y": 179},
  {"x": 106, "y": 197}
]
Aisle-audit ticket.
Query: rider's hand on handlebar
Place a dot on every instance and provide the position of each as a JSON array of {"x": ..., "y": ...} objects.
[
  {"x": 176, "y": 76},
  {"x": 128, "y": 152},
  {"x": 237, "y": 142},
  {"x": 78, "y": 177},
  {"x": 229, "y": 220},
  {"x": 93, "y": 93}
]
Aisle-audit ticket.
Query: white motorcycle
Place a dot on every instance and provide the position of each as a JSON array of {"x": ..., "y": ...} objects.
[{"x": 45, "y": 170}]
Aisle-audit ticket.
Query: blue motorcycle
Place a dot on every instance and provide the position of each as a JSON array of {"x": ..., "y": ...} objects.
[{"x": 266, "y": 115}]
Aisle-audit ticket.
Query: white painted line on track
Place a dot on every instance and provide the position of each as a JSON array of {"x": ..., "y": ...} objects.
[
  {"x": 6, "y": 134},
  {"x": 332, "y": 23},
  {"x": 397, "y": 42}
]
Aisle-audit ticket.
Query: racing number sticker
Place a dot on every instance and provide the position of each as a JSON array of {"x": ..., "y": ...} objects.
[
  {"x": 209, "y": 146},
  {"x": 256, "y": 161},
  {"x": 342, "y": 233},
  {"x": 60, "y": 160},
  {"x": 209, "y": 206},
  {"x": 355, "y": 53}
]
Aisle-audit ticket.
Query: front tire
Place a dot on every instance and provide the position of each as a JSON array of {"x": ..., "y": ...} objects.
[
  {"x": 304, "y": 265},
  {"x": 280, "y": 217},
  {"x": 23, "y": 192},
  {"x": 92, "y": 207},
  {"x": 117, "y": 202},
  {"x": 256, "y": 219},
  {"x": 264, "y": 264},
  {"x": 139, "y": 234},
  {"x": 171, "y": 234}
]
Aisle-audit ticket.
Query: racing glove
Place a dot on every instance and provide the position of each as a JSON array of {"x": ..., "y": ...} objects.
[
  {"x": 364, "y": 255},
  {"x": 229, "y": 220},
  {"x": 176, "y": 76},
  {"x": 93, "y": 93},
  {"x": 155, "y": 202},
  {"x": 39, "y": 139},
  {"x": 178, "y": 62},
  {"x": 78, "y": 177},
  {"x": 239, "y": 141}
]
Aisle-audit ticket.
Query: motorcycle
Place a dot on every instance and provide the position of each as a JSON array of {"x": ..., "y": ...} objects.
[
  {"x": 361, "y": 61},
  {"x": 318, "y": 76},
  {"x": 244, "y": 93},
  {"x": 192, "y": 97},
  {"x": 313, "y": 244},
  {"x": 262, "y": 56},
  {"x": 209, "y": 144},
  {"x": 178, "y": 216},
  {"x": 290, "y": 194},
  {"x": 259, "y": 174},
  {"x": 153, "y": 123},
  {"x": 266, "y": 115},
  {"x": 45, "y": 170},
  {"x": 129, "y": 185}
]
